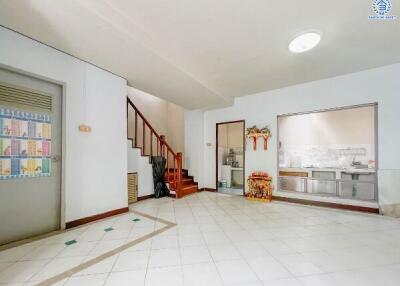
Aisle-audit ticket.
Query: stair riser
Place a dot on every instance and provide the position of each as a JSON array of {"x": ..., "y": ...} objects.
[
  {"x": 190, "y": 182},
  {"x": 187, "y": 191},
  {"x": 171, "y": 177}
]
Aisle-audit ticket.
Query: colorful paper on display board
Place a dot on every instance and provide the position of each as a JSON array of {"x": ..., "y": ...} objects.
[{"x": 25, "y": 144}]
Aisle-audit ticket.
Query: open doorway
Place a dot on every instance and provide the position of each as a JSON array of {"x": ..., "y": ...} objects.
[
  {"x": 330, "y": 153},
  {"x": 230, "y": 157}
]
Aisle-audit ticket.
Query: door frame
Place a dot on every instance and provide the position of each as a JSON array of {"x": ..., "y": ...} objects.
[
  {"x": 244, "y": 152},
  {"x": 63, "y": 85}
]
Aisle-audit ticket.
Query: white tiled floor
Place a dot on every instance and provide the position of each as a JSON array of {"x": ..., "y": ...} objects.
[
  {"x": 222, "y": 240},
  {"x": 35, "y": 262},
  {"x": 231, "y": 191}
]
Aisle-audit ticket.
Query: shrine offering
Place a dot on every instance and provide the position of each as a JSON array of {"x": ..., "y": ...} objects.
[{"x": 260, "y": 187}]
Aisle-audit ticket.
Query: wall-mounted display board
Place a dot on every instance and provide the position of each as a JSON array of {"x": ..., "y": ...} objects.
[{"x": 25, "y": 144}]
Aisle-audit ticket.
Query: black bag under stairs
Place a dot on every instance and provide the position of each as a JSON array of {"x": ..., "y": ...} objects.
[{"x": 160, "y": 186}]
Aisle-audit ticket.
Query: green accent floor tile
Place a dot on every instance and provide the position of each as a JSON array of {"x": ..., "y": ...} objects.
[
  {"x": 70, "y": 242},
  {"x": 136, "y": 219},
  {"x": 108, "y": 229}
]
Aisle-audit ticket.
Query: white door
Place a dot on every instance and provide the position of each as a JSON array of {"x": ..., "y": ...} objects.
[{"x": 30, "y": 156}]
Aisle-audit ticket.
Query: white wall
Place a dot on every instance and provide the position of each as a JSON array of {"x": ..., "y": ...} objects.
[
  {"x": 94, "y": 164},
  {"x": 381, "y": 85},
  {"x": 152, "y": 107},
  {"x": 194, "y": 142},
  {"x": 176, "y": 129},
  {"x": 141, "y": 165},
  {"x": 231, "y": 135},
  {"x": 347, "y": 126},
  {"x": 223, "y": 136},
  {"x": 235, "y": 135}
]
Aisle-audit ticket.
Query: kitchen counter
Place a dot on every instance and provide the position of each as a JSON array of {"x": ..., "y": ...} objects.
[
  {"x": 341, "y": 182},
  {"x": 237, "y": 168},
  {"x": 339, "y": 173},
  {"x": 340, "y": 170},
  {"x": 232, "y": 174}
]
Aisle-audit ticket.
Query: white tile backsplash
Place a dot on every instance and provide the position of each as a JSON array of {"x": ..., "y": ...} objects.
[{"x": 324, "y": 156}]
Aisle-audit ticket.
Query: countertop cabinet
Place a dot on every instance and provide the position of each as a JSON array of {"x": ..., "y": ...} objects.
[
  {"x": 358, "y": 184},
  {"x": 292, "y": 181},
  {"x": 362, "y": 190},
  {"x": 324, "y": 184}
]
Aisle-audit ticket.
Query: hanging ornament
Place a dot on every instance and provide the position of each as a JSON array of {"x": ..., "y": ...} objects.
[{"x": 254, "y": 133}]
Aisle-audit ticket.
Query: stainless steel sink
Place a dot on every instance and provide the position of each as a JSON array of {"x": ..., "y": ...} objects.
[
  {"x": 358, "y": 171},
  {"x": 360, "y": 167}
]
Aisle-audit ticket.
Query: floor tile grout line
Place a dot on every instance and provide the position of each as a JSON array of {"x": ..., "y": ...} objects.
[
  {"x": 112, "y": 267},
  {"x": 212, "y": 258},
  {"x": 148, "y": 258},
  {"x": 179, "y": 253},
  {"x": 54, "y": 233},
  {"x": 88, "y": 254},
  {"x": 115, "y": 261},
  {"x": 100, "y": 258},
  {"x": 148, "y": 263},
  {"x": 48, "y": 262},
  {"x": 156, "y": 219},
  {"x": 245, "y": 259},
  {"x": 95, "y": 260}
]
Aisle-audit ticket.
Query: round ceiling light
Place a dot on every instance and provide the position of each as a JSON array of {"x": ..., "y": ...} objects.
[{"x": 304, "y": 42}]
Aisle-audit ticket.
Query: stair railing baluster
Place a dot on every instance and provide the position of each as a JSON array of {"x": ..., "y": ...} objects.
[
  {"x": 151, "y": 143},
  {"x": 136, "y": 128},
  {"x": 174, "y": 173},
  {"x": 167, "y": 157},
  {"x": 179, "y": 183},
  {"x": 144, "y": 138},
  {"x": 162, "y": 137}
]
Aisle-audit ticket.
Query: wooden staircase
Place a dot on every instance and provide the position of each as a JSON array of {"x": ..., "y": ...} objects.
[
  {"x": 152, "y": 144},
  {"x": 189, "y": 186}
]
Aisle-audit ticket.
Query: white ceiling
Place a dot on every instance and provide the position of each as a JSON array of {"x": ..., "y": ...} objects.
[{"x": 201, "y": 53}]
